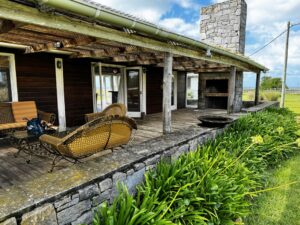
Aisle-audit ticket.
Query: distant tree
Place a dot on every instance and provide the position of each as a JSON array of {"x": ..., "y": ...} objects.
[{"x": 268, "y": 82}]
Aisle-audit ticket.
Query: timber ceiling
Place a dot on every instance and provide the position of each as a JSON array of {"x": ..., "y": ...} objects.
[{"x": 42, "y": 39}]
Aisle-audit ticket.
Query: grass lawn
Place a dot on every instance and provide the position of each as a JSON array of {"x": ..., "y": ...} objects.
[
  {"x": 292, "y": 101},
  {"x": 280, "y": 206}
]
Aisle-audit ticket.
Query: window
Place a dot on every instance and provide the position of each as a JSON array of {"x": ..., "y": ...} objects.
[{"x": 8, "y": 86}]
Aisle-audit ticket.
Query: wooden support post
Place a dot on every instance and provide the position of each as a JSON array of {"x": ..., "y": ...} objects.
[
  {"x": 231, "y": 90},
  {"x": 59, "y": 71},
  {"x": 256, "y": 100},
  {"x": 167, "y": 92}
]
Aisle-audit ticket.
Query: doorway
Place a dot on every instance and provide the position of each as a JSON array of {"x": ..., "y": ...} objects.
[{"x": 118, "y": 84}]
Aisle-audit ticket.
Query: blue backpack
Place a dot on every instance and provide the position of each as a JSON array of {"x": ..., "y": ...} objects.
[{"x": 34, "y": 127}]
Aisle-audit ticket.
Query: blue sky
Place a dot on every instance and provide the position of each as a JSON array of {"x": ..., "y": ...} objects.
[{"x": 266, "y": 19}]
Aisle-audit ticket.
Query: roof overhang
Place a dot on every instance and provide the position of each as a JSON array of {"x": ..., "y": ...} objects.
[{"x": 39, "y": 31}]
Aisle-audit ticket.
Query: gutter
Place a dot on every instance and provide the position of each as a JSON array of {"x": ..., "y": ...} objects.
[{"x": 115, "y": 18}]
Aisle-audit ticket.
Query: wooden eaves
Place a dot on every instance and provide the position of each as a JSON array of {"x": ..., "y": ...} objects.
[{"x": 39, "y": 30}]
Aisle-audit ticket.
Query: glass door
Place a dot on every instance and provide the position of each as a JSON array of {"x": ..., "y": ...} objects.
[
  {"x": 106, "y": 85},
  {"x": 134, "y": 91}
]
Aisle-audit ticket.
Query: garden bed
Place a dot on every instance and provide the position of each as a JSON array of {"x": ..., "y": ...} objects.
[{"x": 215, "y": 184}]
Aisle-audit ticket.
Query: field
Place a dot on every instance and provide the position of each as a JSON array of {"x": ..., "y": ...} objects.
[{"x": 292, "y": 101}]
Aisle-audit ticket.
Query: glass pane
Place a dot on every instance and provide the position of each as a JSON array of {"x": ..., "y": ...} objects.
[
  {"x": 133, "y": 90},
  {"x": 5, "y": 90}
]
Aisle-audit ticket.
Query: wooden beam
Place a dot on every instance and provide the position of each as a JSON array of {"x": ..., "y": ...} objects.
[
  {"x": 231, "y": 90},
  {"x": 167, "y": 93},
  {"x": 61, "y": 45},
  {"x": 257, "y": 85},
  {"x": 8, "y": 25},
  {"x": 17, "y": 12}
]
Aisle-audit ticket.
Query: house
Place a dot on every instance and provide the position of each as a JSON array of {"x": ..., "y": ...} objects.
[{"x": 74, "y": 58}]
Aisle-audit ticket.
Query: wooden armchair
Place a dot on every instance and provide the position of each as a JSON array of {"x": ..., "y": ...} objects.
[
  {"x": 112, "y": 110},
  {"x": 94, "y": 136},
  {"x": 14, "y": 115}
]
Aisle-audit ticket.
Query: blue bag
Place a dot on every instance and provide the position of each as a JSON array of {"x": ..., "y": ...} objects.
[{"x": 34, "y": 127}]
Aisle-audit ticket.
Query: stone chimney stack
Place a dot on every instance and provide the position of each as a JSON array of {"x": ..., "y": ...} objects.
[{"x": 224, "y": 24}]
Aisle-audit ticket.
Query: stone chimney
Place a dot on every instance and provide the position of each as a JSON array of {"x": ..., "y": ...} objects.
[{"x": 224, "y": 24}]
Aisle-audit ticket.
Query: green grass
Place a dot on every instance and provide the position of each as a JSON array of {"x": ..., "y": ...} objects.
[
  {"x": 292, "y": 101},
  {"x": 280, "y": 206}
]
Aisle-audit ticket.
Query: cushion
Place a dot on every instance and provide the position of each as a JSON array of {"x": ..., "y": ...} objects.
[
  {"x": 26, "y": 109},
  {"x": 7, "y": 126}
]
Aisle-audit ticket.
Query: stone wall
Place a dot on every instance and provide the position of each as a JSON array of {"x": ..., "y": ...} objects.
[
  {"x": 77, "y": 206},
  {"x": 224, "y": 24}
]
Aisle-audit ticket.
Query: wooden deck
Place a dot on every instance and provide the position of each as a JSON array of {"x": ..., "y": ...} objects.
[{"x": 16, "y": 170}]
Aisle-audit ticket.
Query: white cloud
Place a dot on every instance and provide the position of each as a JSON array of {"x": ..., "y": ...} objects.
[{"x": 179, "y": 26}]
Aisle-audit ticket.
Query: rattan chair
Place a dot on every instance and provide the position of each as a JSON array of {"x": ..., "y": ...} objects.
[
  {"x": 112, "y": 110},
  {"x": 96, "y": 135}
]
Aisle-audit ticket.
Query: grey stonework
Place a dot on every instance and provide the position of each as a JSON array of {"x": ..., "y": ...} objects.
[
  {"x": 10, "y": 221},
  {"x": 44, "y": 215},
  {"x": 224, "y": 24}
]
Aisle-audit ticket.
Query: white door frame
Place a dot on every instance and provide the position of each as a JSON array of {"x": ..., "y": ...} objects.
[
  {"x": 142, "y": 81},
  {"x": 61, "y": 108},
  {"x": 12, "y": 76},
  {"x": 174, "y": 106},
  {"x": 101, "y": 80}
]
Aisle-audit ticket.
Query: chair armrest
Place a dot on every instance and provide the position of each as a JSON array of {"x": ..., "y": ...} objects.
[
  {"x": 48, "y": 117},
  {"x": 51, "y": 140},
  {"x": 91, "y": 116}
]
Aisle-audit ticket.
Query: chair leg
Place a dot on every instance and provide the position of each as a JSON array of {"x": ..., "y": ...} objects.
[{"x": 54, "y": 162}]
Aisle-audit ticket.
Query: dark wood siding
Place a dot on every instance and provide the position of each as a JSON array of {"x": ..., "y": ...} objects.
[
  {"x": 78, "y": 90},
  {"x": 36, "y": 80},
  {"x": 181, "y": 89},
  {"x": 154, "y": 93}
]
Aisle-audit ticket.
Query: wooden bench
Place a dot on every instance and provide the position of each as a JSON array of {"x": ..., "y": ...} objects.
[{"x": 14, "y": 115}]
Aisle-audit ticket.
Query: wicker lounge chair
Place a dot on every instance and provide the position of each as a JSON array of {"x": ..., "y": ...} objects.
[
  {"x": 113, "y": 109},
  {"x": 14, "y": 115},
  {"x": 96, "y": 135}
]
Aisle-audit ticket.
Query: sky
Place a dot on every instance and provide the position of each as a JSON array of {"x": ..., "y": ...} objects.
[{"x": 266, "y": 19}]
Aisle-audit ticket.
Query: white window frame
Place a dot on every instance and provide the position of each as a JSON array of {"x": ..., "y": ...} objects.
[
  {"x": 13, "y": 76},
  {"x": 174, "y": 106}
]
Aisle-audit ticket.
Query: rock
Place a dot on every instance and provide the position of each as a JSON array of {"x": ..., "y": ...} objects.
[
  {"x": 130, "y": 172},
  {"x": 44, "y": 215},
  {"x": 86, "y": 218},
  {"x": 104, "y": 196},
  {"x": 118, "y": 177},
  {"x": 88, "y": 192},
  {"x": 66, "y": 203},
  {"x": 138, "y": 166},
  {"x": 71, "y": 214},
  {"x": 152, "y": 160},
  {"x": 10, "y": 221},
  {"x": 105, "y": 184},
  {"x": 135, "y": 179}
]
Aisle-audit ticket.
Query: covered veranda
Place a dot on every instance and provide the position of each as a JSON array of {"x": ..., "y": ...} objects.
[{"x": 113, "y": 37}]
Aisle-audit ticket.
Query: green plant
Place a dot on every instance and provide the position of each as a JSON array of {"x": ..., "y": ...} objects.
[
  {"x": 213, "y": 185},
  {"x": 270, "y": 96}
]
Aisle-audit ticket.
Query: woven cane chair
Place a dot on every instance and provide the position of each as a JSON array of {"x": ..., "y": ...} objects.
[
  {"x": 96, "y": 135},
  {"x": 111, "y": 110}
]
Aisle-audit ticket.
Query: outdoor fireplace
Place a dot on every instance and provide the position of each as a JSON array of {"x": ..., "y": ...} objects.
[{"x": 213, "y": 91}]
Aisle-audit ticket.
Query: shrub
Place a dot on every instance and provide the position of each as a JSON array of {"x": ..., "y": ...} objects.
[{"x": 214, "y": 184}]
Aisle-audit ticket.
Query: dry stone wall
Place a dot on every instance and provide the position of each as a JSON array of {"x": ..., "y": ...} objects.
[{"x": 224, "y": 24}]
